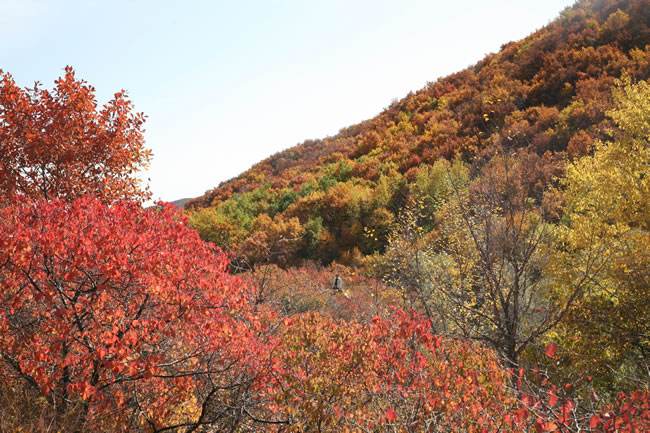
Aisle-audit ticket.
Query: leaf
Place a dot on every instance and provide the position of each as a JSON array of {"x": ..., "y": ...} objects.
[
  {"x": 391, "y": 415},
  {"x": 550, "y": 426},
  {"x": 550, "y": 350}
]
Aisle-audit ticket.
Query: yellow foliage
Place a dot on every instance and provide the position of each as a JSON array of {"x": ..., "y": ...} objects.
[{"x": 604, "y": 247}]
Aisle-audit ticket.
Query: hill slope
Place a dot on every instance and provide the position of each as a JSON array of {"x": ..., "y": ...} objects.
[{"x": 546, "y": 94}]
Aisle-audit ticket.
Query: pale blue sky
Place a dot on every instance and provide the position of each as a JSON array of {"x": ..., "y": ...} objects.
[{"x": 227, "y": 83}]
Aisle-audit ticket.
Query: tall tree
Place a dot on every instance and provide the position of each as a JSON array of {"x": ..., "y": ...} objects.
[{"x": 479, "y": 274}]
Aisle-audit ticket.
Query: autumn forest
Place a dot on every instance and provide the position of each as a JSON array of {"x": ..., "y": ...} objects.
[{"x": 476, "y": 258}]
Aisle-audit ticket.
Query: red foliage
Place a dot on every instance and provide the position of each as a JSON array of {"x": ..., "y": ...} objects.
[
  {"x": 122, "y": 320},
  {"x": 629, "y": 413},
  {"x": 309, "y": 288},
  {"x": 551, "y": 350},
  {"x": 107, "y": 308},
  {"x": 58, "y": 144},
  {"x": 389, "y": 375},
  {"x": 392, "y": 375}
]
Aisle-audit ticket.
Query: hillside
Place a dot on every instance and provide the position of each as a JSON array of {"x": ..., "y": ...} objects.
[
  {"x": 474, "y": 259},
  {"x": 545, "y": 95}
]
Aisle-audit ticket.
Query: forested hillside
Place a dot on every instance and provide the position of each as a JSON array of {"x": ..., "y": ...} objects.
[
  {"x": 475, "y": 259},
  {"x": 543, "y": 98}
]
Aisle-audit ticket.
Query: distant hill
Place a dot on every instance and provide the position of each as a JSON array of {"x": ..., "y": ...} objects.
[
  {"x": 180, "y": 203},
  {"x": 546, "y": 94}
]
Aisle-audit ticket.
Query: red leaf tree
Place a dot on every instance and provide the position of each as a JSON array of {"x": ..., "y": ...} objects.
[
  {"x": 123, "y": 315},
  {"x": 60, "y": 144}
]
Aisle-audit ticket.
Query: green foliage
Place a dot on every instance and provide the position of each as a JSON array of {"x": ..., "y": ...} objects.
[
  {"x": 285, "y": 199},
  {"x": 244, "y": 208},
  {"x": 434, "y": 185},
  {"x": 313, "y": 235},
  {"x": 215, "y": 227}
]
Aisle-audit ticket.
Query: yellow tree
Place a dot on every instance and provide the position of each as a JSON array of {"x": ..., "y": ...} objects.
[{"x": 605, "y": 247}]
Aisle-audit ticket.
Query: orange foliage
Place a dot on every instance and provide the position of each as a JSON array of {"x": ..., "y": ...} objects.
[{"x": 58, "y": 144}]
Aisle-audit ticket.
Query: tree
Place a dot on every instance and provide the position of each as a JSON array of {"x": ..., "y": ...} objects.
[
  {"x": 405, "y": 263},
  {"x": 493, "y": 249},
  {"x": 59, "y": 144},
  {"x": 604, "y": 248},
  {"x": 120, "y": 318},
  {"x": 478, "y": 275},
  {"x": 272, "y": 240}
]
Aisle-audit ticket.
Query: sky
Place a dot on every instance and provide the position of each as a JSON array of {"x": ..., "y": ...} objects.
[{"x": 227, "y": 83}]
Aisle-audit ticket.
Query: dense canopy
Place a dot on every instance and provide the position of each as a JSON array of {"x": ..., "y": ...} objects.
[{"x": 475, "y": 259}]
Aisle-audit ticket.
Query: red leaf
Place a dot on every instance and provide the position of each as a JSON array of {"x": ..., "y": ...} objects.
[
  {"x": 551, "y": 349},
  {"x": 550, "y": 427},
  {"x": 594, "y": 421}
]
